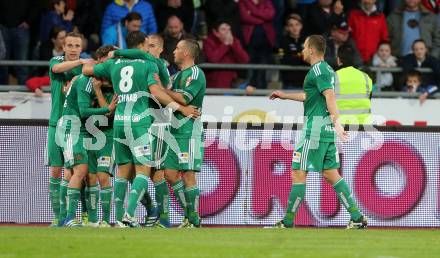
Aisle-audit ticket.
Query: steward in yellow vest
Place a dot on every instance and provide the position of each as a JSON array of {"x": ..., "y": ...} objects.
[{"x": 353, "y": 90}]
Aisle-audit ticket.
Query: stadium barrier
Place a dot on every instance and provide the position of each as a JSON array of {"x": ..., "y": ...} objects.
[
  {"x": 210, "y": 66},
  {"x": 394, "y": 174}
]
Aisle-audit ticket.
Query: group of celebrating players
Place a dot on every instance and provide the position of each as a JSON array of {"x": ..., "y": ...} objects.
[{"x": 123, "y": 109}]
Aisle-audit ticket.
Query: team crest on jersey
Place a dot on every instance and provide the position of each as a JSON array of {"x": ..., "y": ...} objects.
[
  {"x": 188, "y": 81},
  {"x": 104, "y": 161},
  {"x": 183, "y": 157}
]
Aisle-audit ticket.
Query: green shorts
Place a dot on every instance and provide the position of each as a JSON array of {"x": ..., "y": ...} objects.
[
  {"x": 134, "y": 148},
  {"x": 158, "y": 133},
  {"x": 74, "y": 153},
  {"x": 315, "y": 156},
  {"x": 102, "y": 160},
  {"x": 54, "y": 153},
  {"x": 187, "y": 155}
]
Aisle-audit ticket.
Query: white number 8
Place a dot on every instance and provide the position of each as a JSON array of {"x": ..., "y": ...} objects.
[{"x": 126, "y": 82}]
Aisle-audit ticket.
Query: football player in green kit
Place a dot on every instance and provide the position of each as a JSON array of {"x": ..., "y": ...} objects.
[
  {"x": 100, "y": 158},
  {"x": 153, "y": 47},
  {"x": 61, "y": 70},
  {"x": 133, "y": 82},
  {"x": 76, "y": 143},
  {"x": 316, "y": 150},
  {"x": 189, "y": 86}
]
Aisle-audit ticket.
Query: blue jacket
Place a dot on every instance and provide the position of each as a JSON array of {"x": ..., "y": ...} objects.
[
  {"x": 115, "y": 35},
  {"x": 116, "y": 11},
  {"x": 50, "y": 19}
]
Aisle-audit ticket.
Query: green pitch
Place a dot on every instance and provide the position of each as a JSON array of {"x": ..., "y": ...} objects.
[{"x": 213, "y": 242}]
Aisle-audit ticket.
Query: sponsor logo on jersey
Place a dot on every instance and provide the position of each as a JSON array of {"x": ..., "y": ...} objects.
[
  {"x": 183, "y": 157},
  {"x": 140, "y": 151},
  {"x": 104, "y": 161}
]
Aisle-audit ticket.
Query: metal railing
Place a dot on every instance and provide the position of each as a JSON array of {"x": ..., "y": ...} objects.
[{"x": 226, "y": 91}]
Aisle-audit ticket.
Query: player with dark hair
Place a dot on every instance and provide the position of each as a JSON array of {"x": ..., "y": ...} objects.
[
  {"x": 316, "y": 150},
  {"x": 133, "y": 81},
  {"x": 189, "y": 87}
]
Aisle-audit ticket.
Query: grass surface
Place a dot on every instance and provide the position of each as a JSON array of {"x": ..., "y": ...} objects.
[{"x": 216, "y": 242}]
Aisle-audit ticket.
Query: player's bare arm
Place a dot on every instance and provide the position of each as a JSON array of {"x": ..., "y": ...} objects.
[
  {"x": 88, "y": 69},
  {"x": 166, "y": 100},
  {"x": 332, "y": 108},
  {"x": 69, "y": 65},
  {"x": 295, "y": 96}
]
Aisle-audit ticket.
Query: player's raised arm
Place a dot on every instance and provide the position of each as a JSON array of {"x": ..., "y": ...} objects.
[{"x": 295, "y": 96}]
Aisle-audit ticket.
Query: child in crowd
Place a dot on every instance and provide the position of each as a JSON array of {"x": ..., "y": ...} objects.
[
  {"x": 414, "y": 85},
  {"x": 383, "y": 58}
]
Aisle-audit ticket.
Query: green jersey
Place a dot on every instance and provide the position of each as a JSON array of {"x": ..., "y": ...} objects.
[
  {"x": 318, "y": 125},
  {"x": 134, "y": 53},
  {"x": 108, "y": 95},
  {"x": 57, "y": 83},
  {"x": 131, "y": 79},
  {"x": 78, "y": 103},
  {"x": 191, "y": 83},
  {"x": 164, "y": 75}
]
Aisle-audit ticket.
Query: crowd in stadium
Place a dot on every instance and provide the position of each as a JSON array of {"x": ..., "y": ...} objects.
[{"x": 383, "y": 33}]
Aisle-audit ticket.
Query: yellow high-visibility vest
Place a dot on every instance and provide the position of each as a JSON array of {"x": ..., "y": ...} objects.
[{"x": 353, "y": 88}]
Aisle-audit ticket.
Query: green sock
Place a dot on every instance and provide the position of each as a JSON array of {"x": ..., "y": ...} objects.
[
  {"x": 162, "y": 199},
  {"x": 147, "y": 202},
  {"x": 119, "y": 198},
  {"x": 92, "y": 208},
  {"x": 54, "y": 196},
  {"x": 106, "y": 197},
  {"x": 84, "y": 198},
  {"x": 296, "y": 197},
  {"x": 139, "y": 187},
  {"x": 73, "y": 195},
  {"x": 179, "y": 193},
  {"x": 344, "y": 196},
  {"x": 192, "y": 200},
  {"x": 63, "y": 199}
]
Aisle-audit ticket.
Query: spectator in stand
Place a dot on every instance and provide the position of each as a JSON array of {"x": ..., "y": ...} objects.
[
  {"x": 258, "y": 34},
  {"x": 369, "y": 28},
  {"x": 290, "y": 50},
  {"x": 88, "y": 19},
  {"x": 16, "y": 17},
  {"x": 172, "y": 34},
  {"x": 56, "y": 16},
  {"x": 413, "y": 22},
  {"x": 383, "y": 58},
  {"x": 184, "y": 9},
  {"x": 413, "y": 84},
  {"x": 222, "y": 47},
  {"x": 323, "y": 14},
  {"x": 115, "y": 35},
  {"x": 340, "y": 35},
  {"x": 421, "y": 59},
  {"x": 223, "y": 10},
  {"x": 119, "y": 9}
]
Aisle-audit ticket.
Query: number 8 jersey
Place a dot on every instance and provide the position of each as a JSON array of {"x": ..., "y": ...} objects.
[{"x": 131, "y": 79}]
